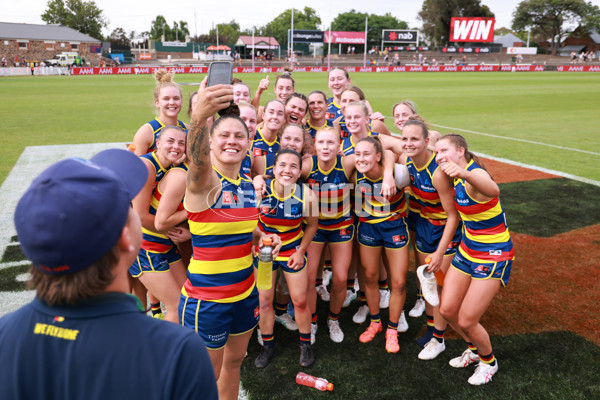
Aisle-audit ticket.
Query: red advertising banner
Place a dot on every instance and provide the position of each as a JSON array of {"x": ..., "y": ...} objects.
[
  {"x": 145, "y": 56},
  {"x": 578, "y": 68},
  {"x": 402, "y": 68},
  {"x": 472, "y": 29}
]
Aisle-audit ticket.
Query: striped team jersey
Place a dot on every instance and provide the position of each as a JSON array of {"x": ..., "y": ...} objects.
[
  {"x": 373, "y": 207},
  {"x": 221, "y": 267},
  {"x": 260, "y": 146},
  {"x": 269, "y": 163},
  {"x": 347, "y": 146},
  {"x": 246, "y": 167},
  {"x": 485, "y": 236},
  {"x": 284, "y": 217},
  {"x": 334, "y": 111},
  {"x": 333, "y": 191},
  {"x": 153, "y": 241},
  {"x": 157, "y": 127},
  {"x": 424, "y": 194},
  {"x": 344, "y": 132},
  {"x": 313, "y": 129}
]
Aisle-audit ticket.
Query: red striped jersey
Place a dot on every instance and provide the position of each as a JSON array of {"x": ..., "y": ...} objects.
[
  {"x": 424, "y": 193},
  {"x": 371, "y": 207},
  {"x": 333, "y": 191},
  {"x": 221, "y": 267},
  {"x": 153, "y": 241},
  {"x": 485, "y": 235},
  {"x": 284, "y": 217}
]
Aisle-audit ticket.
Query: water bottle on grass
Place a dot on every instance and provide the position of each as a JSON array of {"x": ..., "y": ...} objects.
[{"x": 312, "y": 381}]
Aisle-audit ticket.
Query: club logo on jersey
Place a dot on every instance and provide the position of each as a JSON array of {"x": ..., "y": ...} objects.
[
  {"x": 344, "y": 232},
  {"x": 256, "y": 312},
  {"x": 399, "y": 238},
  {"x": 330, "y": 115},
  {"x": 481, "y": 268},
  {"x": 257, "y": 152},
  {"x": 451, "y": 245},
  {"x": 264, "y": 209},
  {"x": 227, "y": 197},
  {"x": 312, "y": 182}
]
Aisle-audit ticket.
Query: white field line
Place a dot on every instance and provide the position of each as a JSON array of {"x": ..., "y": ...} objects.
[
  {"x": 517, "y": 140},
  {"x": 30, "y": 164},
  {"x": 541, "y": 169}
]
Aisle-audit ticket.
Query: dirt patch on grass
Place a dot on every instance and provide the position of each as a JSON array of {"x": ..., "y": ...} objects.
[
  {"x": 505, "y": 173},
  {"x": 554, "y": 286}
]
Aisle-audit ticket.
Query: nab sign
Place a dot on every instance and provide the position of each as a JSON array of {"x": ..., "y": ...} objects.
[
  {"x": 472, "y": 30},
  {"x": 400, "y": 36}
]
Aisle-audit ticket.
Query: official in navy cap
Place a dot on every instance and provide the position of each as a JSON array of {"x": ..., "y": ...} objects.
[{"x": 84, "y": 335}]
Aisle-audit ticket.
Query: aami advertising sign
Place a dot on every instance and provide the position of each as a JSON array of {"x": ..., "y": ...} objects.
[{"x": 472, "y": 29}]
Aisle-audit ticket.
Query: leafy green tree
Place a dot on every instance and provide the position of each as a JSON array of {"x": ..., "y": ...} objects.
[
  {"x": 547, "y": 18},
  {"x": 159, "y": 27},
  {"x": 351, "y": 21},
  {"x": 437, "y": 14},
  {"x": 83, "y": 16},
  {"x": 228, "y": 33},
  {"x": 354, "y": 21},
  {"x": 278, "y": 28},
  {"x": 179, "y": 32}
]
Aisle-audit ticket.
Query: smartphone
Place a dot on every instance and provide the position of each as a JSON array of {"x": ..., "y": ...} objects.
[{"x": 220, "y": 73}]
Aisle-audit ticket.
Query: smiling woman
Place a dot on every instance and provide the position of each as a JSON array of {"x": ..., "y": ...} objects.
[
  {"x": 168, "y": 102},
  {"x": 158, "y": 265}
]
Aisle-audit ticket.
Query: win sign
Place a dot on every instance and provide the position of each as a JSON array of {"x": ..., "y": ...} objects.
[{"x": 472, "y": 29}]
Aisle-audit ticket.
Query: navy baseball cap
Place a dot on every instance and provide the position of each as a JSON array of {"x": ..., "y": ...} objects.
[{"x": 73, "y": 212}]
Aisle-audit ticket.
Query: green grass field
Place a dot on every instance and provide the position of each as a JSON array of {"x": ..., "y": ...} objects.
[
  {"x": 557, "y": 111},
  {"x": 551, "y": 109}
]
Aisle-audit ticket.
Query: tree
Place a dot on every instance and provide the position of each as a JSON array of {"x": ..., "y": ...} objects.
[
  {"x": 159, "y": 28},
  {"x": 353, "y": 21},
  {"x": 548, "y": 18},
  {"x": 278, "y": 28},
  {"x": 80, "y": 15},
  {"x": 437, "y": 14},
  {"x": 118, "y": 37},
  {"x": 228, "y": 33}
]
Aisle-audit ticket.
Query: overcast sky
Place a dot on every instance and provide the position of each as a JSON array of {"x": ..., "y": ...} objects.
[{"x": 137, "y": 15}]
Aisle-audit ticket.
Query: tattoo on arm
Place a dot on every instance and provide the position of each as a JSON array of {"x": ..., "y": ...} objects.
[{"x": 198, "y": 144}]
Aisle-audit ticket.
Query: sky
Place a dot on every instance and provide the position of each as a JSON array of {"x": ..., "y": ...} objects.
[{"x": 137, "y": 15}]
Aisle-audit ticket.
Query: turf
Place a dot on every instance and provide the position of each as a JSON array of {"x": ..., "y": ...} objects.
[
  {"x": 550, "y": 365},
  {"x": 547, "y": 207},
  {"x": 554, "y": 108}
]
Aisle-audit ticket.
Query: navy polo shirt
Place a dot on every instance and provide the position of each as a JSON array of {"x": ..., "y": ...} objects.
[{"x": 103, "y": 348}]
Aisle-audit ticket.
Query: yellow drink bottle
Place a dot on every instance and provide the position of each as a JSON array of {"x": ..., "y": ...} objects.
[{"x": 264, "y": 276}]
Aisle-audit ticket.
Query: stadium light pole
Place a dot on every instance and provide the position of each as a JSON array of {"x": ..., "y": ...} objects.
[
  {"x": 329, "y": 49},
  {"x": 365, "y": 52}
]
